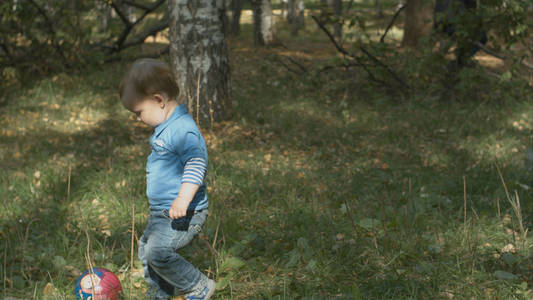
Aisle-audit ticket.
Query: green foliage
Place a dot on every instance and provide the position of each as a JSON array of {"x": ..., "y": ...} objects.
[
  {"x": 506, "y": 23},
  {"x": 41, "y": 37},
  {"x": 51, "y": 33},
  {"x": 323, "y": 186},
  {"x": 506, "y": 19}
]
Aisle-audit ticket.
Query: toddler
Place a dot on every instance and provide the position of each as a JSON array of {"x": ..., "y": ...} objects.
[{"x": 175, "y": 186}]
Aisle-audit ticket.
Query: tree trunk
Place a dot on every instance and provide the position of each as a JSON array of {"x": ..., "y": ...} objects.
[
  {"x": 337, "y": 11},
  {"x": 296, "y": 16},
  {"x": 104, "y": 15},
  {"x": 291, "y": 11},
  {"x": 418, "y": 18},
  {"x": 236, "y": 9},
  {"x": 379, "y": 7},
  {"x": 301, "y": 13},
  {"x": 199, "y": 57},
  {"x": 225, "y": 17},
  {"x": 263, "y": 22}
]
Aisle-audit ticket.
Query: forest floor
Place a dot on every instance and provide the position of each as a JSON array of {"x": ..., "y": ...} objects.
[{"x": 323, "y": 185}]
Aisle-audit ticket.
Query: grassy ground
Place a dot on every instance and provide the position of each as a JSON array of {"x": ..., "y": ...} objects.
[{"x": 322, "y": 186}]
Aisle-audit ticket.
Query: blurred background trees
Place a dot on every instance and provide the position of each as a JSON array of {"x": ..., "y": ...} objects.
[{"x": 47, "y": 36}]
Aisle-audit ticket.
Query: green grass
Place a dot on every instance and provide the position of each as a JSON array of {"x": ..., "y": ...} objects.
[{"x": 322, "y": 186}]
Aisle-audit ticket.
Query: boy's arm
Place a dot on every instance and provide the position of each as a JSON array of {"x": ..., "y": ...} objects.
[
  {"x": 179, "y": 206},
  {"x": 193, "y": 176}
]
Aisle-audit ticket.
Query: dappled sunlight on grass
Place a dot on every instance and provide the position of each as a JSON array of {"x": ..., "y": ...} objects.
[
  {"x": 321, "y": 184},
  {"x": 489, "y": 61}
]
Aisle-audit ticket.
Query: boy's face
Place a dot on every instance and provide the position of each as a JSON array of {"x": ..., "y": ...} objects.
[{"x": 151, "y": 111}]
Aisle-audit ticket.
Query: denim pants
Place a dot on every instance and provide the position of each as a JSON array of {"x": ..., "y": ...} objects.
[{"x": 167, "y": 272}]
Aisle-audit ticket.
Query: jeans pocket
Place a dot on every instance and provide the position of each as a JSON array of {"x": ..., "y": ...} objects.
[{"x": 181, "y": 224}]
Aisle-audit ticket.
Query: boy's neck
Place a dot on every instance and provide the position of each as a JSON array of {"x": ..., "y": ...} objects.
[{"x": 171, "y": 106}]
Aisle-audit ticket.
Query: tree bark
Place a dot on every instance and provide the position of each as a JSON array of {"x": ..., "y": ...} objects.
[
  {"x": 263, "y": 22},
  {"x": 301, "y": 13},
  {"x": 296, "y": 16},
  {"x": 236, "y": 9},
  {"x": 283, "y": 6},
  {"x": 418, "y": 18},
  {"x": 337, "y": 11},
  {"x": 291, "y": 11},
  {"x": 225, "y": 18},
  {"x": 104, "y": 15},
  {"x": 199, "y": 57},
  {"x": 379, "y": 7}
]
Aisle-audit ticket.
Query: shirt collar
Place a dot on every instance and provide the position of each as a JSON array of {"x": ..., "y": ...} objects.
[{"x": 179, "y": 111}]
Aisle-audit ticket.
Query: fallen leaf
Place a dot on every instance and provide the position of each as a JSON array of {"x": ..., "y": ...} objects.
[
  {"x": 508, "y": 248},
  {"x": 73, "y": 271},
  {"x": 19, "y": 174},
  {"x": 269, "y": 270},
  {"x": 48, "y": 289}
]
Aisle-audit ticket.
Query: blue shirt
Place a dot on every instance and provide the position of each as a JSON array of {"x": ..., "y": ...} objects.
[{"x": 173, "y": 143}]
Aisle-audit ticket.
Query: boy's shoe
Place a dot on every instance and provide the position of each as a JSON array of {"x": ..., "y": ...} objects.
[{"x": 204, "y": 294}]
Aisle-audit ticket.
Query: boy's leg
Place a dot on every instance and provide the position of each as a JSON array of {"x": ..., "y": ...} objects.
[
  {"x": 161, "y": 257},
  {"x": 159, "y": 288}
]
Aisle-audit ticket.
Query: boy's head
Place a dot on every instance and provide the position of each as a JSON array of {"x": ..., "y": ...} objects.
[{"x": 145, "y": 78}]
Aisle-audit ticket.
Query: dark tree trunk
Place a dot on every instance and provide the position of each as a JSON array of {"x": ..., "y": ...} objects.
[
  {"x": 199, "y": 57},
  {"x": 300, "y": 6},
  {"x": 225, "y": 18},
  {"x": 379, "y": 7},
  {"x": 418, "y": 20},
  {"x": 337, "y": 11},
  {"x": 104, "y": 15},
  {"x": 236, "y": 9},
  {"x": 296, "y": 15},
  {"x": 291, "y": 11}
]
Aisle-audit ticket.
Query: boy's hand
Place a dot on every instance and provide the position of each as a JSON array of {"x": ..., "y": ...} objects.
[{"x": 178, "y": 208}]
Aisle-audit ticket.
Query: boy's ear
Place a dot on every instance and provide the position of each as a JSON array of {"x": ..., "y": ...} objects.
[{"x": 161, "y": 99}]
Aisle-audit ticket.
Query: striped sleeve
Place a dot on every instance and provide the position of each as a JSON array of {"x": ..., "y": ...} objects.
[{"x": 194, "y": 171}]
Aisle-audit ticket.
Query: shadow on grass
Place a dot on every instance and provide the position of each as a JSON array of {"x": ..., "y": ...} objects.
[
  {"x": 49, "y": 202},
  {"x": 315, "y": 190}
]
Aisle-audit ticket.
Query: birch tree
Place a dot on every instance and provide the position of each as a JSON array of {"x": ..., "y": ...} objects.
[
  {"x": 263, "y": 22},
  {"x": 198, "y": 55},
  {"x": 296, "y": 16}
]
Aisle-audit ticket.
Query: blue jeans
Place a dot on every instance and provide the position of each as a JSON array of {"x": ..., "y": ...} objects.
[{"x": 165, "y": 270}]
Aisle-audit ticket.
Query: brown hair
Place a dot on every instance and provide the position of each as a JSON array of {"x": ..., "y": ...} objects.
[{"x": 144, "y": 78}]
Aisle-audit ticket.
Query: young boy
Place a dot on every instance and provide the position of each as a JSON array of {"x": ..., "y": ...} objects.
[{"x": 175, "y": 186}]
